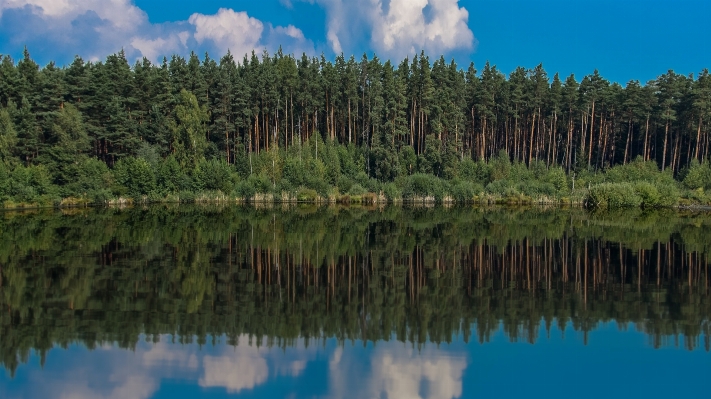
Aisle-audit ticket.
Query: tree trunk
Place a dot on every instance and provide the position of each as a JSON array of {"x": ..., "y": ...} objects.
[
  {"x": 645, "y": 156},
  {"x": 698, "y": 139},
  {"x": 530, "y": 143},
  {"x": 628, "y": 141},
  {"x": 592, "y": 124},
  {"x": 664, "y": 151}
]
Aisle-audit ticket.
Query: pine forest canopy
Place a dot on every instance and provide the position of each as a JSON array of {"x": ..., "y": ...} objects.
[{"x": 417, "y": 116}]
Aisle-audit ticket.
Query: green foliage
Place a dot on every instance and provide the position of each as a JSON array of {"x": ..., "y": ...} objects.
[
  {"x": 31, "y": 184},
  {"x": 90, "y": 179},
  {"x": 8, "y": 137},
  {"x": 331, "y": 162},
  {"x": 214, "y": 175},
  {"x": 698, "y": 176},
  {"x": 408, "y": 161},
  {"x": 189, "y": 130},
  {"x": 135, "y": 177},
  {"x": 430, "y": 162},
  {"x": 344, "y": 184},
  {"x": 500, "y": 167},
  {"x": 170, "y": 178},
  {"x": 478, "y": 172},
  {"x": 464, "y": 191},
  {"x": 293, "y": 171},
  {"x": 613, "y": 195},
  {"x": 557, "y": 177},
  {"x": 422, "y": 185},
  {"x": 306, "y": 195},
  {"x": 391, "y": 192},
  {"x": 206, "y": 127},
  {"x": 357, "y": 189}
]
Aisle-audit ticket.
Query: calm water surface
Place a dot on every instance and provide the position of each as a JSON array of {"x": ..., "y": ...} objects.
[{"x": 328, "y": 302}]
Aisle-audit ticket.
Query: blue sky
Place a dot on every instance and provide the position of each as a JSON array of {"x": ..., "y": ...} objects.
[{"x": 624, "y": 39}]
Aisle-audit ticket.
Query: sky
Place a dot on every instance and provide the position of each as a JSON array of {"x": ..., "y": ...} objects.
[{"x": 623, "y": 39}]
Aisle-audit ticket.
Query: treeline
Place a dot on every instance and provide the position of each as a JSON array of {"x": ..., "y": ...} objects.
[
  {"x": 290, "y": 127},
  {"x": 418, "y": 275}
]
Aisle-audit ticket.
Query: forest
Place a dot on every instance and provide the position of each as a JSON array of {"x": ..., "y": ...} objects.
[
  {"x": 418, "y": 275},
  {"x": 277, "y": 127}
]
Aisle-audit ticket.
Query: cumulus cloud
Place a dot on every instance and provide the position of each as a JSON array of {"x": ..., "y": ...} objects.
[
  {"x": 399, "y": 27},
  {"x": 95, "y": 28},
  {"x": 228, "y": 29}
]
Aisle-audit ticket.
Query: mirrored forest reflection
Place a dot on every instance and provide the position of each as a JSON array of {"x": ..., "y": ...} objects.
[{"x": 310, "y": 273}]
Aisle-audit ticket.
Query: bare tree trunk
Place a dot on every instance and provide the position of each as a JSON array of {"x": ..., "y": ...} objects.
[
  {"x": 530, "y": 143},
  {"x": 666, "y": 138},
  {"x": 628, "y": 142},
  {"x": 482, "y": 145},
  {"x": 645, "y": 156},
  {"x": 592, "y": 124},
  {"x": 698, "y": 139}
]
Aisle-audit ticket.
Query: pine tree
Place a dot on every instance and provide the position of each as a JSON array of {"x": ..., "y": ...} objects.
[
  {"x": 189, "y": 141},
  {"x": 8, "y": 137}
]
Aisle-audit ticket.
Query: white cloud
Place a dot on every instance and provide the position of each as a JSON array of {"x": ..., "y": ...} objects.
[
  {"x": 120, "y": 13},
  {"x": 154, "y": 48},
  {"x": 399, "y": 27},
  {"x": 228, "y": 29},
  {"x": 94, "y": 29}
]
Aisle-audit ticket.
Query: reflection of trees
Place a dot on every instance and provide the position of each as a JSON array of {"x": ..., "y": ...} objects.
[{"x": 350, "y": 273}]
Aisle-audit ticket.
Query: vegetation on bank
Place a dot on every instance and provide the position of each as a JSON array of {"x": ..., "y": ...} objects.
[
  {"x": 337, "y": 175},
  {"x": 281, "y": 129}
]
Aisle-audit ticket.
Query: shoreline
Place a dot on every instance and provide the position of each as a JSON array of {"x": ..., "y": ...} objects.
[{"x": 369, "y": 199}]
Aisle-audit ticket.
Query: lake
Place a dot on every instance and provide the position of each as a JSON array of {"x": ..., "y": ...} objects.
[{"x": 353, "y": 302}]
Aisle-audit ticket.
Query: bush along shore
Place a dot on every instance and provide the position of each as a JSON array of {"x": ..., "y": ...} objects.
[
  {"x": 339, "y": 175},
  {"x": 281, "y": 128}
]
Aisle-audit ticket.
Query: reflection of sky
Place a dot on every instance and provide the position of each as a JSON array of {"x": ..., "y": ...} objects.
[{"x": 613, "y": 364}]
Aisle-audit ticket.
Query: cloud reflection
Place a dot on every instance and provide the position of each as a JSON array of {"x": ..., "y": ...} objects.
[
  {"x": 391, "y": 370},
  {"x": 244, "y": 368},
  {"x": 398, "y": 372}
]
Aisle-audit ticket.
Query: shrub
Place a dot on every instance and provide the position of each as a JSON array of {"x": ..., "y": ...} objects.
[
  {"x": 556, "y": 176},
  {"x": 478, "y": 172},
  {"x": 391, "y": 192},
  {"x": 306, "y": 195},
  {"x": 136, "y": 175},
  {"x": 344, "y": 184},
  {"x": 31, "y": 184},
  {"x": 668, "y": 193},
  {"x": 213, "y": 175},
  {"x": 357, "y": 189},
  {"x": 100, "y": 196},
  {"x": 293, "y": 171},
  {"x": 500, "y": 166},
  {"x": 613, "y": 195},
  {"x": 648, "y": 193},
  {"x": 261, "y": 184},
  {"x": 698, "y": 176},
  {"x": 463, "y": 191},
  {"x": 498, "y": 187}
]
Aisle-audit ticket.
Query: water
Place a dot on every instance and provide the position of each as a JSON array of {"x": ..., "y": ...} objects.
[{"x": 319, "y": 302}]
